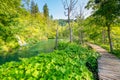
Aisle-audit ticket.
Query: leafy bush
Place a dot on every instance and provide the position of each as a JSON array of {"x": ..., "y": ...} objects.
[
  {"x": 67, "y": 64},
  {"x": 116, "y": 52},
  {"x": 92, "y": 66},
  {"x": 62, "y": 45}
]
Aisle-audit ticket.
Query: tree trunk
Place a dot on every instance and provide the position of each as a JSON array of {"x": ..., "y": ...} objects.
[
  {"x": 56, "y": 40},
  {"x": 81, "y": 36},
  {"x": 70, "y": 34},
  {"x": 103, "y": 36},
  {"x": 69, "y": 25},
  {"x": 109, "y": 38}
]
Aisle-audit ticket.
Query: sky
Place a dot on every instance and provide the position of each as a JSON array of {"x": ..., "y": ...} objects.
[{"x": 56, "y": 8}]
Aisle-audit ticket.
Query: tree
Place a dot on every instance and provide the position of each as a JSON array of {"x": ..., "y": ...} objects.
[
  {"x": 107, "y": 11},
  {"x": 56, "y": 39},
  {"x": 34, "y": 7},
  {"x": 46, "y": 11},
  {"x": 9, "y": 11},
  {"x": 80, "y": 20},
  {"x": 69, "y": 7}
]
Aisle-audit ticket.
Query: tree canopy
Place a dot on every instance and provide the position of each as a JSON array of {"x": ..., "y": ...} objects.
[
  {"x": 107, "y": 12},
  {"x": 34, "y": 7},
  {"x": 46, "y": 11}
]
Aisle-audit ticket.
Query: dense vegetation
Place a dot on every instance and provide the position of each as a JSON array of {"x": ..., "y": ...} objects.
[
  {"x": 68, "y": 62},
  {"x": 23, "y": 23},
  {"x": 29, "y": 39},
  {"x": 106, "y": 15},
  {"x": 20, "y": 27}
]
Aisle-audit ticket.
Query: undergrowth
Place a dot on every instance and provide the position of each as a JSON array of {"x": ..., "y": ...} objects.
[{"x": 69, "y": 62}]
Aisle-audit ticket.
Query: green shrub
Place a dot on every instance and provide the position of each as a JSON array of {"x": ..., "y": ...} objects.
[
  {"x": 116, "y": 52},
  {"x": 68, "y": 63},
  {"x": 62, "y": 45}
]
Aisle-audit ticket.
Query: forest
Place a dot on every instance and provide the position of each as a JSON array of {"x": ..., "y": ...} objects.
[{"x": 35, "y": 46}]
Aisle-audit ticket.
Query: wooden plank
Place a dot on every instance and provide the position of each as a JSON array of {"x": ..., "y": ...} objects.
[{"x": 108, "y": 64}]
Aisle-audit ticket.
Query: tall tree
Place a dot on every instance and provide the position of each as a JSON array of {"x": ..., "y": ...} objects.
[
  {"x": 46, "y": 11},
  {"x": 69, "y": 7},
  {"x": 107, "y": 11},
  {"x": 34, "y": 7}
]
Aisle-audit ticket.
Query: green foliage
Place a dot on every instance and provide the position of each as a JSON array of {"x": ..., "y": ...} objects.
[
  {"x": 116, "y": 52},
  {"x": 62, "y": 45},
  {"x": 10, "y": 7},
  {"x": 92, "y": 64},
  {"x": 62, "y": 22},
  {"x": 6, "y": 26},
  {"x": 66, "y": 64},
  {"x": 111, "y": 6},
  {"x": 46, "y": 11},
  {"x": 107, "y": 13},
  {"x": 18, "y": 27},
  {"x": 9, "y": 13},
  {"x": 24, "y": 28}
]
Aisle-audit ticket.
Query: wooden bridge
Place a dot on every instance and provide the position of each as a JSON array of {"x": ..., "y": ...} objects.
[{"x": 108, "y": 64}]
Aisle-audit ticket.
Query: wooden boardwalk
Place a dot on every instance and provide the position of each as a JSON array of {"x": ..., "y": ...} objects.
[{"x": 108, "y": 64}]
